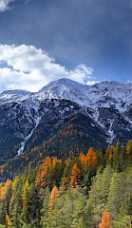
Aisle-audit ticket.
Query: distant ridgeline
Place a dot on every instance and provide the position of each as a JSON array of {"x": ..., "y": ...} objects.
[{"x": 92, "y": 189}]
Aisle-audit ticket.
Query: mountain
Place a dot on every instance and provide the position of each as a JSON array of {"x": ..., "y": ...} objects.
[
  {"x": 103, "y": 94},
  {"x": 64, "y": 117},
  {"x": 109, "y": 103},
  {"x": 14, "y": 95},
  {"x": 65, "y": 89}
]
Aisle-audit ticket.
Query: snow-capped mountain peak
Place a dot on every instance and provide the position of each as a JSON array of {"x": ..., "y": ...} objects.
[
  {"x": 63, "y": 81},
  {"x": 64, "y": 89},
  {"x": 106, "y": 105},
  {"x": 103, "y": 94}
]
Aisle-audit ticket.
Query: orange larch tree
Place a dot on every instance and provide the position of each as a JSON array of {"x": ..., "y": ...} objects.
[
  {"x": 91, "y": 157},
  {"x": 53, "y": 196},
  {"x": 75, "y": 173},
  {"x": 4, "y": 189},
  {"x": 43, "y": 170},
  {"x": 83, "y": 159},
  {"x": 105, "y": 221}
]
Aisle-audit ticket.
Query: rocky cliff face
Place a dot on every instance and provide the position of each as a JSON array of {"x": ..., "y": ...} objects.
[{"x": 64, "y": 114}]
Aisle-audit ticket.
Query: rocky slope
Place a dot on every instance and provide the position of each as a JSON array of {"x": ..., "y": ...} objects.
[{"x": 64, "y": 114}]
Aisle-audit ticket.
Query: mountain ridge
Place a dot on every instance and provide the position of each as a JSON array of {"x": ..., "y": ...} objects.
[
  {"x": 100, "y": 94},
  {"x": 32, "y": 118}
]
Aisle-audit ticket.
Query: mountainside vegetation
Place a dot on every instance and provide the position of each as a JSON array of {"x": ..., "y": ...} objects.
[
  {"x": 64, "y": 117},
  {"x": 91, "y": 189}
]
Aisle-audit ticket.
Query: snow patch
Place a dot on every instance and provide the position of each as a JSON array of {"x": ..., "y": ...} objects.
[
  {"x": 111, "y": 133},
  {"x": 23, "y": 144}
]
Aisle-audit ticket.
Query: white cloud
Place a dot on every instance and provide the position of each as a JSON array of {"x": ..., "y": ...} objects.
[
  {"x": 26, "y": 67},
  {"x": 4, "y": 5}
]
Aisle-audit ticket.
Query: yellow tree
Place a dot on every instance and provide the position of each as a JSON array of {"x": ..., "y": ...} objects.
[
  {"x": 25, "y": 193},
  {"x": 129, "y": 147},
  {"x": 8, "y": 222}
]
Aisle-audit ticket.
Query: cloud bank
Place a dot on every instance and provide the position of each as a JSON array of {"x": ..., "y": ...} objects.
[
  {"x": 26, "y": 67},
  {"x": 4, "y": 5}
]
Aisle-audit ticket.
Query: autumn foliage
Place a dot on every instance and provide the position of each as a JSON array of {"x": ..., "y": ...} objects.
[
  {"x": 4, "y": 189},
  {"x": 88, "y": 160},
  {"x": 47, "y": 164},
  {"x": 71, "y": 192},
  {"x": 75, "y": 172},
  {"x": 105, "y": 221},
  {"x": 8, "y": 221},
  {"x": 53, "y": 196}
]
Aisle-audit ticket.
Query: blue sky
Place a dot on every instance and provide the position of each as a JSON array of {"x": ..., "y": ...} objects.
[{"x": 85, "y": 40}]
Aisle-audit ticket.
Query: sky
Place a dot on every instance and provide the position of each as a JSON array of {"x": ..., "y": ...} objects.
[{"x": 45, "y": 40}]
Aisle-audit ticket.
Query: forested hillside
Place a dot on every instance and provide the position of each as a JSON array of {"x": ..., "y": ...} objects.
[
  {"x": 65, "y": 113},
  {"x": 91, "y": 190}
]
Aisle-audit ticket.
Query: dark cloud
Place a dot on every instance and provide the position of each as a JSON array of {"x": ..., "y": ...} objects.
[{"x": 93, "y": 32}]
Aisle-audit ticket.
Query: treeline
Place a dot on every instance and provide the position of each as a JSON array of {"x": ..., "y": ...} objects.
[{"x": 91, "y": 190}]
